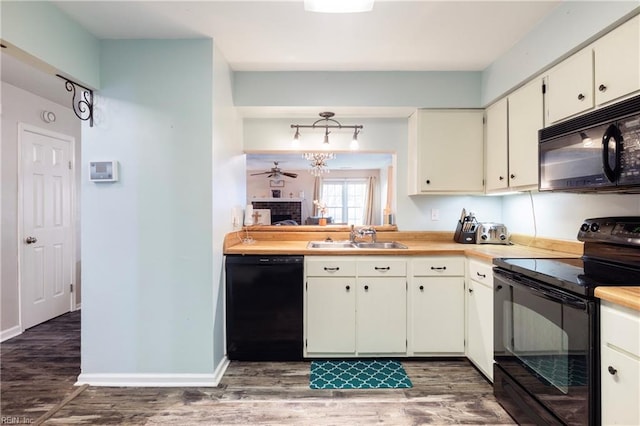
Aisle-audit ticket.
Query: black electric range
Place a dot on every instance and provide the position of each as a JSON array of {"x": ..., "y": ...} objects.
[{"x": 547, "y": 324}]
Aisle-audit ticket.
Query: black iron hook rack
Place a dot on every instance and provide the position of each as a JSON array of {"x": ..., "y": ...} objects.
[{"x": 81, "y": 100}]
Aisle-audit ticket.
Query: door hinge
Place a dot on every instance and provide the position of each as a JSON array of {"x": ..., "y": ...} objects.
[
  {"x": 544, "y": 88},
  {"x": 306, "y": 286},
  {"x": 71, "y": 288},
  {"x": 69, "y": 164},
  {"x": 306, "y": 343}
]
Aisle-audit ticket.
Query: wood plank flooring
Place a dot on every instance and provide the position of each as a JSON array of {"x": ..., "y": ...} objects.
[{"x": 40, "y": 367}]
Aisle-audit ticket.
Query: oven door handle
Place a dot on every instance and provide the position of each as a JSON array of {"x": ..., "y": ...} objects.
[{"x": 550, "y": 294}]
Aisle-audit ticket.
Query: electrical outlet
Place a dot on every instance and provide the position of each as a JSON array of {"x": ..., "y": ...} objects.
[{"x": 435, "y": 214}]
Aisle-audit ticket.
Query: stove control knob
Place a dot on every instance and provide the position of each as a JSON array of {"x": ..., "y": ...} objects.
[
  {"x": 584, "y": 227},
  {"x": 595, "y": 227},
  {"x": 503, "y": 237},
  {"x": 484, "y": 236}
]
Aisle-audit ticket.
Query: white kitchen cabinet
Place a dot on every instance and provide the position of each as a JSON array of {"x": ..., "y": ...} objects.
[
  {"x": 437, "y": 306},
  {"x": 496, "y": 139},
  {"x": 569, "y": 87},
  {"x": 330, "y": 315},
  {"x": 479, "y": 336},
  {"x": 446, "y": 151},
  {"x": 620, "y": 365},
  {"x": 526, "y": 117},
  {"x": 617, "y": 62},
  {"x": 355, "y": 306},
  {"x": 511, "y": 139},
  {"x": 381, "y": 315},
  {"x": 606, "y": 70}
]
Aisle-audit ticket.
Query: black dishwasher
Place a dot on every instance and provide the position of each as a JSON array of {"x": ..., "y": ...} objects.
[{"x": 264, "y": 297}]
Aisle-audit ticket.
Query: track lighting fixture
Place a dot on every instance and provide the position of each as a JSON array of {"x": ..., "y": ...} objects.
[{"x": 326, "y": 123}]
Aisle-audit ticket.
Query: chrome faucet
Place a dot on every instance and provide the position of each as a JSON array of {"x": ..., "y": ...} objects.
[{"x": 369, "y": 230}]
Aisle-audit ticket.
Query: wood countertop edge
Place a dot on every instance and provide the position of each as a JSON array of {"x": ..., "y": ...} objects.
[{"x": 623, "y": 296}]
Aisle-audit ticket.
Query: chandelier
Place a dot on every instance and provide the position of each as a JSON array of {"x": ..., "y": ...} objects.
[
  {"x": 326, "y": 123},
  {"x": 318, "y": 162}
]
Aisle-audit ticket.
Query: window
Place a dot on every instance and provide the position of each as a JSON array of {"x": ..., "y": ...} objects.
[{"x": 345, "y": 199}]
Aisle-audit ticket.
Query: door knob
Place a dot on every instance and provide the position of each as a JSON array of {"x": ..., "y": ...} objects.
[{"x": 30, "y": 240}]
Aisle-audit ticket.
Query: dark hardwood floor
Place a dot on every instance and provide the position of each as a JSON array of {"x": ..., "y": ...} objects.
[{"x": 40, "y": 367}]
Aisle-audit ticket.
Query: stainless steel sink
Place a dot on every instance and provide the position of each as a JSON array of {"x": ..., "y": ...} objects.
[
  {"x": 330, "y": 244},
  {"x": 381, "y": 245},
  {"x": 350, "y": 245}
]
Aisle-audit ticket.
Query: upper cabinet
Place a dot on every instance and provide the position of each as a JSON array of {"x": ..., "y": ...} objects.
[
  {"x": 604, "y": 71},
  {"x": 446, "y": 151},
  {"x": 512, "y": 126},
  {"x": 570, "y": 87},
  {"x": 617, "y": 62}
]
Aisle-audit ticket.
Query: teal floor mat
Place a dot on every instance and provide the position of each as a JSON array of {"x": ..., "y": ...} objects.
[{"x": 358, "y": 374}]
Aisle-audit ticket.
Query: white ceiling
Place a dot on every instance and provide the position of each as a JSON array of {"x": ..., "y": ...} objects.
[
  {"x": 343, "y": 161},
  {"x": 268, "y": 35}
]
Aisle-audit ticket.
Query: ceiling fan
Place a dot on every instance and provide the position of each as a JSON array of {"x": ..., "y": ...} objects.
[{"x": 276, "y": 172}]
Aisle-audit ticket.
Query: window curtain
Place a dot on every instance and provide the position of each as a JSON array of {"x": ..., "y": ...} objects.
[
  {"x": 369, "y": 201},
  {"x": 317, "y": 194}
]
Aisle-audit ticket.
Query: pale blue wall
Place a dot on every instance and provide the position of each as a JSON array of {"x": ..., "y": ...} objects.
[
  {"x": 571, "y": 25},
  {"x": 43, "y": 31},
  {"x": 429, "y": 89},
  {"x": 147, "y": 239}
]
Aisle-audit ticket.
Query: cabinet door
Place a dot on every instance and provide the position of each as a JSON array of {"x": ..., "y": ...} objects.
[
  {"x": 437, "y": 315},
  {"x": 331, "y": 318},
  {"x": 526, "y": 117},
  {"x": 617, "y": 62},
  {"x": 480, "y": 327},
  {"x": 496, "y": 142},
  {"x": 570, "y": 86},
  {"x": 382, "y": 315},
  {"x": 450, "y": 151},
  {"x": 620, "y": 391}
]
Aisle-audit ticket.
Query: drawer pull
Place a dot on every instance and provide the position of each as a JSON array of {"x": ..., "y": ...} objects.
[
  {"x": 421, "y": 288},
  {"x": 438, "y": 268},
  {"x": 602, "y": 88},
  {"x": 380, "y": 268},
  {"x": 612, "y": 370},
  {"x": 337, "y": 268},
  {"x": 348, "y": 288},
  {"x": 581, "y": 97},
  {"x": 481, "y": 275},
  {"x": 366, "y": 287}
]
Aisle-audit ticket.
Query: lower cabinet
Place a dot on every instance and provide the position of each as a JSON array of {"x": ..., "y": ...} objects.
[
  {"x": 436, "y": 318},
  {"x": 479, "y": 295},
  {"x": 355, "y": 306},
  {"x": 620, "y": 365},
  {"x": 330, "y": 315},
  {"x": 381, "y": 315}
]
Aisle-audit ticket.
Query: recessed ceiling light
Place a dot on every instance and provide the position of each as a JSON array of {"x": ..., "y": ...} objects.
[{"x": 338, "y": 6}]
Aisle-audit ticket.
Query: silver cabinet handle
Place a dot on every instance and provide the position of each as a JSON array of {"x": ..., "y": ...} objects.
[{"x": 30, "y": 240}]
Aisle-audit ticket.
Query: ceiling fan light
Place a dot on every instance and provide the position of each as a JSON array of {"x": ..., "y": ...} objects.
[{"x": 338, "y": 6}]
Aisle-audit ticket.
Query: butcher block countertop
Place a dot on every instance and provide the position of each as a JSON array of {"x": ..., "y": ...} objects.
[
  {"x": 287, "y": 241},
  {"x": 624, "y": 296}
]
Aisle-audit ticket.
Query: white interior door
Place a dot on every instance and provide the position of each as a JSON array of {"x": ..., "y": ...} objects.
[{"x": 46, "y": 258}]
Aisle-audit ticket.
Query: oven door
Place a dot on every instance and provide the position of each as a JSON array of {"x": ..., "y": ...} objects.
[{"x": 545, "y": 344}]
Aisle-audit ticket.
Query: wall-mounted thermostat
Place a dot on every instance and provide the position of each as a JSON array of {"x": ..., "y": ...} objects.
[{"x": 103, "y": 171}]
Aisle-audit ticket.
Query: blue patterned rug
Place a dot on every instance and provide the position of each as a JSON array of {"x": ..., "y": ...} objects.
[{"x": 358, "y": 374}]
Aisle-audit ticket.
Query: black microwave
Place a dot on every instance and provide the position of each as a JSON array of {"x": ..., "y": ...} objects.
[{"x": 595, "y": 152}]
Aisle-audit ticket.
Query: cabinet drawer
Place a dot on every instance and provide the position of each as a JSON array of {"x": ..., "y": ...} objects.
[
  {"x": 481, "y": 272},
  {"x": 329, "y": 266},
  {"x": 620, "y": 327},
  {"x": 381, "y": 268},
  {"x": 438, "y": 266}
]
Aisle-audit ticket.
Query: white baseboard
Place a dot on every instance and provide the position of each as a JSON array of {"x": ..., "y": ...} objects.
[
  {"x": 10, "y": 332},
  {"x": 78, "y": 307},
  {"x": 154, "y": 380}
]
